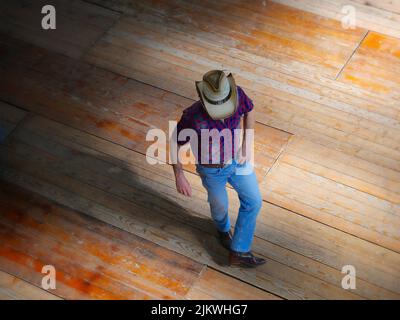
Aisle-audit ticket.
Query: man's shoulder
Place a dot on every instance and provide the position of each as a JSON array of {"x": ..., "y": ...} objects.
[
  {"x": 195, "y": 111},
  {"x": 191, "y": 114},
  {"x": 240, "y": 91},
  {"x": 195, "y": 108}
]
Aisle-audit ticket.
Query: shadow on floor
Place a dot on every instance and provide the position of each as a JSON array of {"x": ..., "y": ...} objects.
[{"x": 161, "y": 206}]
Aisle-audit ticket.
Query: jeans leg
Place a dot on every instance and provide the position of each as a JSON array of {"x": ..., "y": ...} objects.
[
  {"x": 250, "y": 205},
  {"x": 215, "y": 184}
]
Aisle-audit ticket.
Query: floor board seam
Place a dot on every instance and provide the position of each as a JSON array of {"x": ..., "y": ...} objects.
[
  {"x": 221, "y": 268},
  {"x": 352, "y": 55},
  {"x": 283, "y": 150},
  {"x": 333, "y": 227},
  {"x": 25, "y": 118},
  {"x": 93, "y": 44},
  {"x": 215, "y": 265},
  {"x": 31, "y": 283},
  {"x": 138, "y": 152},
  {"x": 103, "y": 6}
]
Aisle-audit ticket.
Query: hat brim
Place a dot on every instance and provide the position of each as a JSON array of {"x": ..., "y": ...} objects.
[{"x": 220, "y": 111}]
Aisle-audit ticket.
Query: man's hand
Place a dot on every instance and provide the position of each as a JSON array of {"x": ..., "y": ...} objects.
[{"x": 182, "y": 185}]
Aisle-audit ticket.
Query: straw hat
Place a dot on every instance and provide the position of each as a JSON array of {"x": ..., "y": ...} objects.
[{"x": 218, "y": 94}]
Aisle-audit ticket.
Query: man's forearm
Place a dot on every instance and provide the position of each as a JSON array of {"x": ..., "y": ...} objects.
[
  {"x": 182, "y": 184},
  {"x": 178, "y": 169}
]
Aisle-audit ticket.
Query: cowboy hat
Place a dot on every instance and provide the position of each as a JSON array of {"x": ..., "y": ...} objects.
[{"x": 218, "y": 94}]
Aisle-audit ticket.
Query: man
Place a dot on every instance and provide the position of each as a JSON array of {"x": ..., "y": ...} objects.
[{"x": 221, "y": 107}]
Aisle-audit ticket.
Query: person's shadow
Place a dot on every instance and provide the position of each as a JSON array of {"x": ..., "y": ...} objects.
[{"x": 145, "y": 193}]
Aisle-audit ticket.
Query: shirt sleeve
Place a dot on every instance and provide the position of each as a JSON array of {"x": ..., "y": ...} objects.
[
  {"x": 184, "y": 123},
  {"x": 245, "y": 103}
]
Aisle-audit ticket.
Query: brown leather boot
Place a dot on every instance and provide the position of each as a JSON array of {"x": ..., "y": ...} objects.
[
  {"x": 244, "y": 259},
  {"x": 226, "y": 239}
]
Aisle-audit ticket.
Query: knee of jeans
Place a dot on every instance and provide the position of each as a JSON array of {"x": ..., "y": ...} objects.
[
  {"x": 253, "y": 204},
  {"x": 258, "y": 204},
  {"x": 218, "y": 206}
]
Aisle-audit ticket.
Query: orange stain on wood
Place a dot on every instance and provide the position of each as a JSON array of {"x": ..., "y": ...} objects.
[
  {"x": 145, "y": 108},
  {"x": 109, "y": 254},
  {"x": 373, "y": 41},
  {"x": 20, "y": 258},
  {"x": 301, "y": 50},
  {"x": 85, "y": 286},
  {"x": 106, "y": 124},
  {"x": 125, "y": 133},
  {"x": 366, "y": 84},
  {"x": 113, "y": 126},
  {"x": 18, "y": 217},
  {"x": 137, "y": 268},
  {"x": 383, "y": 44}
]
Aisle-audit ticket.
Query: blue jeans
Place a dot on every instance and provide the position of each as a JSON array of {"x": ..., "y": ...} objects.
[{"x": 246, "y": 185}]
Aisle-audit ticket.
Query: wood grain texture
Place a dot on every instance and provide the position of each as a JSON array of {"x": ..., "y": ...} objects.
[
  {"x": 352, "y": 195},
  {"x": 10, "y": 116},
  {"x": 388, "y": 5},
  {"x": 113, "y": 107},
  {"x": 376, "y": 65},
  {"x": 13, "y": 288},
  {"x": 214, "y": 285},
  {"x": 116, "y": 123},
  {"x": 127, "y": 184},
  {"x": 158, "y": 54},
  {"x": 78, "y": 24},
  {"x": 91, "y": 259},
  {"x": 380, "y": 16},
  {"x": 272, "y": 38},
  {"x": 327, "y": 152}
]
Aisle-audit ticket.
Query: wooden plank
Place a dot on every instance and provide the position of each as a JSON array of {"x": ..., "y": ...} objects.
[
  {"x": 306, "y": 45},
  {"x": 375, "y": 65},
  {"x": 82, "y": 181},
  {"x": 268, "y": 229},
  {"x": 165, "y": 171},
  {"x": 126, "y": 276},
  {"x": 291, "y": 67},
  {"x": 388, "y": 5},
  {"x": 288, "y": 108},
  {"x": 10, "y": 113},
  {"x": 178, "y": 229},
  {"x": 367, "y": 17},
  {"x": 13, "y": 288},
  {"x": 78, "y": 24},
  {"x": 283, "y": 122},
  {"x": 110, "y": 261},
  {"x": 213, "y": 284},
  {"x": 75, "y": 98},
  {"x": 150, "y": 42},
  {"x": 187, "y": 245},
  {"x": 10, "y": 116},
  {"x": 128, "y": 109},
  {"x": 347, "y": 170},
  {"x": 332, "y": 203}
]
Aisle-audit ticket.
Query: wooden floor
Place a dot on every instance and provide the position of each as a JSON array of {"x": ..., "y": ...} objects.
[{"x": 77, "y": 193}]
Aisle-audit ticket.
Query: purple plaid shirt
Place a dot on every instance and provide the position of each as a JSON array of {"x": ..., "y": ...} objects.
[{"x": 196, "y": 118}]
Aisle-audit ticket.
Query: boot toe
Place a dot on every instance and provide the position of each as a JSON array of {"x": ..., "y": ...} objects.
[{"x": 246, "y": 260}]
